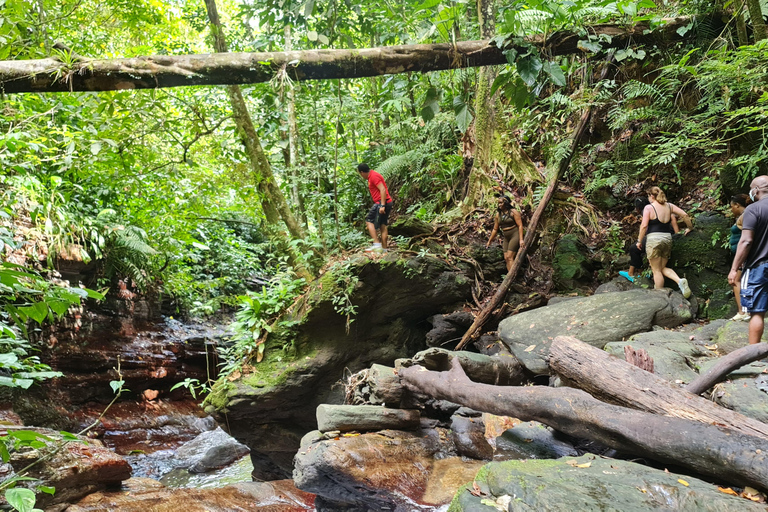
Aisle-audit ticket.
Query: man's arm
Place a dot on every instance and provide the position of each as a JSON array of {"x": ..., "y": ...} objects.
[
  {"x": 742, "y": 251},
  {"x": 382, "y": 196}
]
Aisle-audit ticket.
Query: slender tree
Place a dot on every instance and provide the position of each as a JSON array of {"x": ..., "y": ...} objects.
[
  {"x": 756, "y": 17},
  {"x": 274, "y": 203}
]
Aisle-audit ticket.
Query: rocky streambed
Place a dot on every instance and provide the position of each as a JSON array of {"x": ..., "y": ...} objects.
[{"x": 329, "y": 426}]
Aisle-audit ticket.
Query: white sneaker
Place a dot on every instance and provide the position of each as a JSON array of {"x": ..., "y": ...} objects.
[
  {"x": 683, "y": 284},
  {"x": 741, "y": 317},
  {"x": 375, "y": 248}
]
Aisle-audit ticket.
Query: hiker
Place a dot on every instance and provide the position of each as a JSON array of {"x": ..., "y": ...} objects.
[
  {"x": 739, "y": 203},
  {"x": 752, "y": 251},
  {"x": 378, "y": 215},
  {"x": 657, "y": 225},
  {"x": 509, "y": 220}
]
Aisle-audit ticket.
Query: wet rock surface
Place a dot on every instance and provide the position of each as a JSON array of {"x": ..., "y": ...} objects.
[
  {"x": 387, "y": 470},
  {"x": 142, "y": 495},
  {"x": 532, "y": 440},
  {"x": 591, "y": 483},
  {"x": 75, "y": 469}
]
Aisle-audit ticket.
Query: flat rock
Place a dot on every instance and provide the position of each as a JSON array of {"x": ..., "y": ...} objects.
[
  {"x": 144, "y": 494},
  {"x": 387, "y": 470},
  {"x": 346, "y": 418},
  {"x": 599, "y": 484},
  {"x": 597, "y": 320}
]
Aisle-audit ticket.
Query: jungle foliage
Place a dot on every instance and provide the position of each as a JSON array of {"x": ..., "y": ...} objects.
[{"x": 155, "y": 189}]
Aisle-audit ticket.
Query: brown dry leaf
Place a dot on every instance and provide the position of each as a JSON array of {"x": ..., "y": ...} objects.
[
  {"x": 351, "y": 434},
  {"x": 530, "y": 348},
  {"x": 727, "y": 490},
  {"x": 476, "y": 490},
  {"x": 680, "y": 480},
  {"x": 572, "y": 462},
  {"x": 753, "y": 494}
]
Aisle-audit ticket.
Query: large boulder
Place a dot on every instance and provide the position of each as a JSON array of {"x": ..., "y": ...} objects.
[
  {"x": 591, "y": 483},
  {"x": 387, "y": 470},
  {"x": 572, "y": 267},
  {"x": 272, "y": 404},
  {"x": 75, "y": 470},
  {"x": 213, "y": 449},
  {"x": 596, "y": 320}
]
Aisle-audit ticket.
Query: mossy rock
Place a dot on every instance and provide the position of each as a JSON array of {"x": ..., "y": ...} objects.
[
  {"x": 270, "y": 406},
  {"x": 570, "y": 263},
  {"x": 590, "y": 483},
  {"x": 410, "y": 226}
]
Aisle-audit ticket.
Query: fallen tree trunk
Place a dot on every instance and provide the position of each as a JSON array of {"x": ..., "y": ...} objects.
[
  {"x": 719, "y": 452},
  {"x": 726, "y": 365},
  {"x": 613, "y": 380},
  {"x": 157, "y": 71}
]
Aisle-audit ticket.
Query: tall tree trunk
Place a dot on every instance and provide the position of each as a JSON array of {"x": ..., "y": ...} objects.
[
  {"x": 756, "y": 17},
  {"x": 274, "y": 204},
  {"x": 485, "y": 114},
  {"x": 741, "y": 26},
  {"x": 293, "y": 142}
]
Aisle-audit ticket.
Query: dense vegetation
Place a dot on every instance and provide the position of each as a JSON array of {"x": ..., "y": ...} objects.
[{"x": 156, "y": 188}]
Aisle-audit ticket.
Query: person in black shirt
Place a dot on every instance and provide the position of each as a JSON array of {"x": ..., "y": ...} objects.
[{"x": 752, "y": 252}]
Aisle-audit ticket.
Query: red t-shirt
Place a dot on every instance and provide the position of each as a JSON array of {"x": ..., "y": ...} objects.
[{"x": 374, "y": 179}]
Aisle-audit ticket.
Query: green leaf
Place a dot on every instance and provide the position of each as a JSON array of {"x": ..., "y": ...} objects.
[
  {"x": 36, "y": 312},
  {"x": 95, "y": 148},
  {"x": 116, "y": 385},
  {"x": 308, "y": 8},
  {"x": 463, "y": 119},
  {"x": 323, "y": 39},
  {"x": 28, "y": 435},
  {"x": 589, "y": 46},
  {"x": 46, "y": 489},
  {"x": 21, "y": 499},
  {"x": 528, "y": 68},
  {"x": 312, "y": 35},
  {"x": 69, "y": 436},
  {"x": 555, "y": 73},
  {"x": 58, "y": 306}
]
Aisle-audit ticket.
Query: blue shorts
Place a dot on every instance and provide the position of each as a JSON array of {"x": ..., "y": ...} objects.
[{"x": 754, "y": 289}]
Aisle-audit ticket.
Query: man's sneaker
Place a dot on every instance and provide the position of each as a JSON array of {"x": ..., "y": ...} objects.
[
  {"x": 625, "y": 274},
  {"x": 683, "y": 284},
  {"x": 375, "y": 248}
]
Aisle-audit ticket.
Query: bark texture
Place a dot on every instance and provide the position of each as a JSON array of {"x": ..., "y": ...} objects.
[
  {"x": 708, "y": 449},
  {"x": 612, "y": 380},
  {"x": 726, "y": 365},
  {"x": 158, "y": 71}
]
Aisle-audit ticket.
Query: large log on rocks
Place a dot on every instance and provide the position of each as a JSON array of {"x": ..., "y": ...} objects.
[
  {"x": 722, "y": 453},
  {"x": 613, "y": 380}
]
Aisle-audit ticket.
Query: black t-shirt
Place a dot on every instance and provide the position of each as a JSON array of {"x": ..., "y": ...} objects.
[{"x": 755, "y": 219}]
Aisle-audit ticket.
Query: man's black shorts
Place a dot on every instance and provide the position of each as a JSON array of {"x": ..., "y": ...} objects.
[{"x": 379, "y": 219}]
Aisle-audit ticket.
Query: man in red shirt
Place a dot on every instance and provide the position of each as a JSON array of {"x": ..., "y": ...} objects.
[{"x": 378, "y": 215}]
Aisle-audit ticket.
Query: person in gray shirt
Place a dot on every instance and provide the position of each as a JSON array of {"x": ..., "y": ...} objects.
[{"x": 752, "y": 252}]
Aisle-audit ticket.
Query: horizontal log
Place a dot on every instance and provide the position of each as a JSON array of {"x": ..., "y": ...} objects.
[
  {"x": 726, "y": 365},
  {"x": 613, "y": 380},
  {"x": 158, "y": 71},
  {"x": 724, "y": 454}
]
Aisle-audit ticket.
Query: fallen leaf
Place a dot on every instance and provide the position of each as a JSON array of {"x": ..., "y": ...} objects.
[
  {"x": 585, "y": 465},
  {"x": 476, "y": 491},
  {"x": 532, "y": 326},
  {"x": 727, "y": 490},
  {"x": 572, "y": 462},
  {"x": 530, "y": 348},
  {"x": 710, "y": 347},
  {"x": 691, "y": 337},
  {"x": 351, "y": 434},
  {"x": 683, "y": 482}
]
